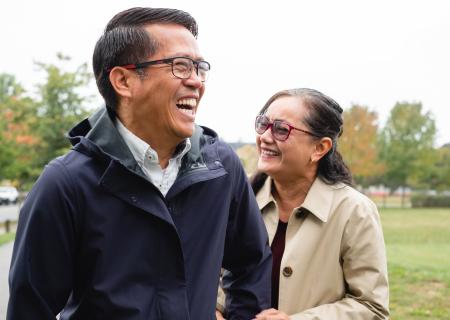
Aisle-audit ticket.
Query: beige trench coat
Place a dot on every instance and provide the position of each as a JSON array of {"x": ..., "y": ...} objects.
[{"x": 334, "y": 262}]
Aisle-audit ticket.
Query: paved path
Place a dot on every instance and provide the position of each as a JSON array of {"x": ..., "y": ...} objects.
[
  {"x": 5, "y": 259},
  {"x": 10, "y": 212}
]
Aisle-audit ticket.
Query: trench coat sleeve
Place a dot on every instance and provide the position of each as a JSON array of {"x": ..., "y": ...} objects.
[
  {"x": 42, "y": 264},
  {"x": 220, "y": 305},
  {"x": 247, "y": 256},
  {"x": 363, "y": 257}
]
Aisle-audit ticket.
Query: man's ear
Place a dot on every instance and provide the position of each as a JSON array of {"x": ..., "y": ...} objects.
[
  {"x": 121, "y": 81},
  {"x": 322, "y": 147}
]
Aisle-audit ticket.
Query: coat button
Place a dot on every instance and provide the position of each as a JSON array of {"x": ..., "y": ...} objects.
[{"x": 287, "y": 271}]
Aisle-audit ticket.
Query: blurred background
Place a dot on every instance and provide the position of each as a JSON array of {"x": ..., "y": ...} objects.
[{"x": 385, "y": 62}]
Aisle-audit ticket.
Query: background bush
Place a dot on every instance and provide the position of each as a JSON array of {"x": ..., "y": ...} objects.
[{"x": 430, "y": 201}]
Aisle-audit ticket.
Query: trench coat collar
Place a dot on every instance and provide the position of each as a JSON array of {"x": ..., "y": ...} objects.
[{"x": 318, "y": 201}]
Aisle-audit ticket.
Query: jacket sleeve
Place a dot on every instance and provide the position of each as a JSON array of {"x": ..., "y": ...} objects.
[
  {"x": 364, "y": 263},
  {"x": 247, "y": 257},
  {"x": 41, "y": 271}
]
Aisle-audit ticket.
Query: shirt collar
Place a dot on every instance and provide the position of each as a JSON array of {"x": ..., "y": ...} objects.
[
  {"x": 318, "y": 201},
  {"x": 141, "y": 149},
  {"x": 182, "y": 149}
]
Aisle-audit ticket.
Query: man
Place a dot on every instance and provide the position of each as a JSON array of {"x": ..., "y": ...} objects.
[{"x": 138, "y": 219}]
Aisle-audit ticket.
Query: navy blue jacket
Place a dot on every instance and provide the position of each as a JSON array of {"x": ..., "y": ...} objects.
[{"x": 97, "y": 240}]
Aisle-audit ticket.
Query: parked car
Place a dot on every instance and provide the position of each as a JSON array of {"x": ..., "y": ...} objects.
[{"x": 8, "y": 195}]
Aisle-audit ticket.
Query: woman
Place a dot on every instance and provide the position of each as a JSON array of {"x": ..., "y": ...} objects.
[{"x": 329, "y": 259}]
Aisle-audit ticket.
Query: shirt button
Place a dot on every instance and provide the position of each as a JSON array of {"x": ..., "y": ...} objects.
[{"x": 287, "y": 272}]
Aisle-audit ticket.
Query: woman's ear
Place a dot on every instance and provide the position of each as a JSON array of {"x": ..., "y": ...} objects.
[
  {"x": 322, "y": 147},
  {"x": 121, "y": 81}
]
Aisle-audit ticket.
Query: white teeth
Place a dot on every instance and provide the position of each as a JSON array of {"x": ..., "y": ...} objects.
[
  {"x": 188, "y": 111},
  {"x": 188, "y": 102},
  {"x": 269, "y": 152}
]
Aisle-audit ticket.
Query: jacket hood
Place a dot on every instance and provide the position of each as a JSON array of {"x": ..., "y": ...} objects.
[{"x": 98, "y": 137}]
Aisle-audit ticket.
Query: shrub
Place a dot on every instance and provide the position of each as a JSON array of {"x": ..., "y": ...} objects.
[{"x": 430, "y": 201}]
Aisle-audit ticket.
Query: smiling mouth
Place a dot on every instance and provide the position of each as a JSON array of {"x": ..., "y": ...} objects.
[
  {"x": 187, "y": 106},
  {"x": 271, "y": 153}
]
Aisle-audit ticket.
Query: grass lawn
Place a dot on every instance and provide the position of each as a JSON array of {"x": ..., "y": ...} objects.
[
  {"x": 7, "y": 237},
  {"x": 418, "y": 248}
]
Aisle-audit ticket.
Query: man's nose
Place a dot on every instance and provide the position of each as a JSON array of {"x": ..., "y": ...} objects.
[{"x": 194, "y": 80}]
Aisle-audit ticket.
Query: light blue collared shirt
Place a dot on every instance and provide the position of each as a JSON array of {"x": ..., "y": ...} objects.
[{"x": 147, "y": 158}]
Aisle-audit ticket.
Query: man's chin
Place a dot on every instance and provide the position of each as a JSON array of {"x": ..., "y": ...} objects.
[{"x": 186, "y": 132}]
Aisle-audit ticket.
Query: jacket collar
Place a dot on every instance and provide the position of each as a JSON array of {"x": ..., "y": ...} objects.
[
  {"x": 318, "y": 201},
  {"x": 143, "y": 153},
  {"x": 101, "y": 131},
  {"x": 97, "y": 137}
]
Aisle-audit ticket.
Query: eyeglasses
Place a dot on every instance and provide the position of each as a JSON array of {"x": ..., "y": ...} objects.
[
  {"x": 280, "y": 129},
  {"x": 181, "y": 67}
]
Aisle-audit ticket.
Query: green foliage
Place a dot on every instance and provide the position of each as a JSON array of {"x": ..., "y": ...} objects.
[
  {"x": 437, "y": 175},
  {"x": 406, "y": 145},
  {"x": 32, "y": 130},
  {"x": 9, "y": 88},
  {"x": 60, "y": 107},
  {"x": 7, "y": 237},
  {"x": 418, "y": 248},
  {"x": 14, "y": 106}
]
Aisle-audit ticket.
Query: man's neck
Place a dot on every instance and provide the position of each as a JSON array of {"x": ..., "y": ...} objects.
[
  {"x": 164, "y": 144},
  {"x": 164, "y": 155}
]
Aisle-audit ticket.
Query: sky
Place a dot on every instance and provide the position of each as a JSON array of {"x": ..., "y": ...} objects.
[{"x": 372, "y": 53}]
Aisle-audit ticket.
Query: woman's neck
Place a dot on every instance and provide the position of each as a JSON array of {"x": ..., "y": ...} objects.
[{"x": 290, "y": 195}]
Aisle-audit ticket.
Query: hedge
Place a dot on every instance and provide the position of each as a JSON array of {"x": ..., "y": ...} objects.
[{"x": 430, "y": 201}]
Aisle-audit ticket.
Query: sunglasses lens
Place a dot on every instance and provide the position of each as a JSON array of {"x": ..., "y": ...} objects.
[
  {"x": 261, "y": 124},
  {"x": 280, "y": 130}
]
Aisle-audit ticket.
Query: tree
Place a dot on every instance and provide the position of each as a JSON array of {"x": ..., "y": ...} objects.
[
  {"x": 9, "y": 88},
  {"x": 437, "y": 175},
  {"x": 32, "y": 130},
  {"x": 61, "y": 105},
  {"x": 358, "y": 144},
  {"x": 406, "y": 144},
  {"x": 16, "y": 137},
  {"x": 6, "y": 148}
]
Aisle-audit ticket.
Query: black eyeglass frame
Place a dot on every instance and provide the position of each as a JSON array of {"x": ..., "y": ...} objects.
[
  {"x": 274, "y": 123},
  {"x": 144, "y": 64}
]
